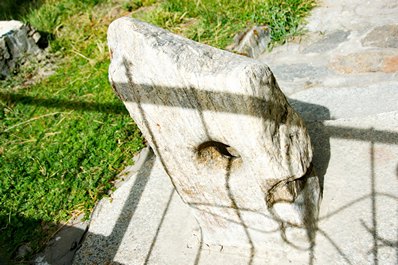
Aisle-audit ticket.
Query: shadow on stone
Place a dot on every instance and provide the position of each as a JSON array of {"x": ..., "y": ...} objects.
[
  {"x": 328, "y": 131},
  {"x": 185, "y": 98},
  {"x": 106, "y": 247}
]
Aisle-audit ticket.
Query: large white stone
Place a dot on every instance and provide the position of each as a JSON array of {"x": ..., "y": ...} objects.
[{"x": 234, "y": 149}]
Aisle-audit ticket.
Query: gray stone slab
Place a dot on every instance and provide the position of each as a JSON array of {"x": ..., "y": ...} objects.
[
  {"x": 328, "y": 42},
  {"x": 383, "y": 36},
  {"x": 144, "y": 222},
  {"x": 217, "y": 98},
  {"x": 292, "y": 72},
  {"x": 347, "y": 102}
]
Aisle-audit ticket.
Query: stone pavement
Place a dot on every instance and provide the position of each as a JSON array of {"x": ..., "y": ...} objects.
[
  {"x": 145, "y": 222},
  {"x": 343, "y": 78},
  {"x": 349, "y": 44}
]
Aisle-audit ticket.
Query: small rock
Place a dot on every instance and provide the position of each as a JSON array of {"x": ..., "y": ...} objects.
[
  {"x": 36, "y": 37},
  {"x": 253, "y": 42}
]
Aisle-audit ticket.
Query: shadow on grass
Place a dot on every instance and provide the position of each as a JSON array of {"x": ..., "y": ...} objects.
[
  {"x": 22, "y": 248},
  {"x": 16, "y": 9},
  {"x": 114, "y": 108}
]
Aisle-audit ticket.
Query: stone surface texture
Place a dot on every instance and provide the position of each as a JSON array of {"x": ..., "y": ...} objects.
[
  {"x": 16, "y": 42},
  {"x": 352, "y": 118},
  {"x": 235, "y": 150},
  {"x": 382, "y": 37}
]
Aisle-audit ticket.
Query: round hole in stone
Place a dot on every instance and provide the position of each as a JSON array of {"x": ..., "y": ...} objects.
[{"x": 214, "y": 149}]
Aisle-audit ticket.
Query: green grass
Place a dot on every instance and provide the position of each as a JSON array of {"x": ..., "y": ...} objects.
[
  {"x": 63, "y": 142},
  {"x": 215, "y": 22},
  {"x": 64, "y": 139}
]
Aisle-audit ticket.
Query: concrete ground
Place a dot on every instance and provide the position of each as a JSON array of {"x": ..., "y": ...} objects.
[
  {"x": 343, "y": 78},
  {"x": 145, "y": 222}
]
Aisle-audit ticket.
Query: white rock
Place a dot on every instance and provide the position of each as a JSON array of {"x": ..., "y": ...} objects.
[{"x": 235, "y": 150}]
